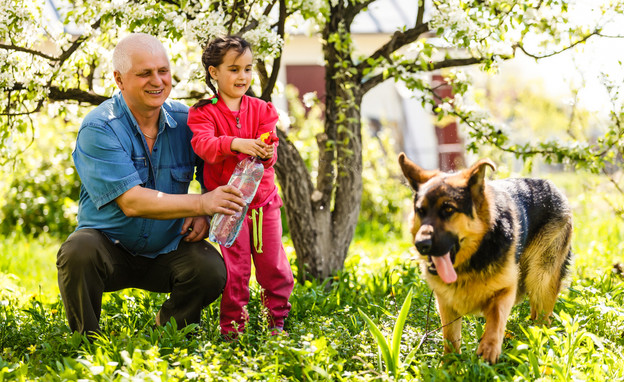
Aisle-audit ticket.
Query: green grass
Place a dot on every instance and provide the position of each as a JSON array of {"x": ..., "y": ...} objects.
[
  {"x": 28, "y": 265},
  {"x": 329, "y": 339}
]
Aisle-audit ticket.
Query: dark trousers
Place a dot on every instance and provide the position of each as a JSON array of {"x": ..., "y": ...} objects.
[{"x": 89, "y": 264}]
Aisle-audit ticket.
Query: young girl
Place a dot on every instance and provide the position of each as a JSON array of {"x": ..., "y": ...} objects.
[{"x": 226, "y": 129}]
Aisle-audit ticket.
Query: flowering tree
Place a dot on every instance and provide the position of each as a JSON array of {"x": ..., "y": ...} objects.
[{"x": 56, "y": 69}]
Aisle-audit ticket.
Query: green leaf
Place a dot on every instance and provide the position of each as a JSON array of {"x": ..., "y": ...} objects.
[
  {"x": 534, "y": 363},
  {"x": 398, "y": 327},
  {"x": 381, "y": 341}
]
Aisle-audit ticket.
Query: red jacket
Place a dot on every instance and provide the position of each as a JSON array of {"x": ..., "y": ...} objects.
[{"x": 214, "y": 129}]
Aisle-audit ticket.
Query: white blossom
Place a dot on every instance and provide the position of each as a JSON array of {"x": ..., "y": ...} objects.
[
  {"x": 310, "y": 99},
  {"x": 205, "y": 27}
]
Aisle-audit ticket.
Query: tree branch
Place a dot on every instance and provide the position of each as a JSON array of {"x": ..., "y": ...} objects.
[
  {"x": 56, "y": 94},
  {"x": 552, "y": 149},
  {"x": 373, "y": 81},
  {"x": 29, "y": 51},
  {"x": 398, "y": 40},
  {"x": 354, "y": 9},
  {"x": 25, "y": 113},
  {"x": 609, "y": 36},
  {"x": 248, "y": 13},
  {"x": 232, "y": 17},
  {"x": 615, "y": 184},
  {"x": 91, "y": 76},
  {"x": 254, "y": 22},
  {"x": 421, "y": 12},
  {"x": 281, "y": 30},
  {"x": 262, "y": 73},
  {"x": 522, "y": 48},
  {"x": 64, "y": 54},
  {"x": 22, "y": 150},
  {"x": 268, "y": 9},
  {"x": 76, "y": 44},
  {"x": 172, "y": 2},
  {"x": 454, "y": 62}
]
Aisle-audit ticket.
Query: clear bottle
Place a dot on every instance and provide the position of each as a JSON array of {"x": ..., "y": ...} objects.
[{"x": 246, "y": 177}]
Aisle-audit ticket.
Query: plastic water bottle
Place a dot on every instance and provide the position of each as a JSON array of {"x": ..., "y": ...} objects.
[{"x": 246, "y": 177}]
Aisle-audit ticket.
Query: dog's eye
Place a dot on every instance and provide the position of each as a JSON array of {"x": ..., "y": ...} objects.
[
  {"x": 447, "y": 210},
  {"x": 420, "y": 211}
]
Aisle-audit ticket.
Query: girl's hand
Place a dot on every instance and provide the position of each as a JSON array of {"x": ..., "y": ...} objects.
[
  {"x": 270, "y": 152},
  {"x": 253, "y": 147}
]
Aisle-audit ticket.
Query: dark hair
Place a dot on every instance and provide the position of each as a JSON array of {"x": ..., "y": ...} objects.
[{"x": 213, "y": 56}]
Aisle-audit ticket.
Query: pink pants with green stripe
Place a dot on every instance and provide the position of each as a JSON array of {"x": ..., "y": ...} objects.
[{"x": 260, "y": 240}]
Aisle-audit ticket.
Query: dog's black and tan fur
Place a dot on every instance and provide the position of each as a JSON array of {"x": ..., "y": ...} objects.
[{"x": 484, "y": 245}]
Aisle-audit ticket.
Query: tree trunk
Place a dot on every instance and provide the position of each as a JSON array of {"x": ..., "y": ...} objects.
[
  {"x": 306, "y": 219},
  {"x": 322, "y": 225},
  {"x": 322, "y": 219}
]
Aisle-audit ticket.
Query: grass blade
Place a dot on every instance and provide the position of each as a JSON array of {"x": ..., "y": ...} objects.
[
  {"x": 381, "y": 341},
  {"x": 397, "y": 333}
]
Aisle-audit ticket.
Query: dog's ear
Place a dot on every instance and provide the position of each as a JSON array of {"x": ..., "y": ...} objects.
[
  {"x": 476, "y": 175},
  {"x": 415, "y": 174}
]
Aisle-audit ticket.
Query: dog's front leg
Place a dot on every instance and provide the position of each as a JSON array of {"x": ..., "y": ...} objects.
[
  {"x": 451, "y": 328},
  {"x": 496, "y": 312}
]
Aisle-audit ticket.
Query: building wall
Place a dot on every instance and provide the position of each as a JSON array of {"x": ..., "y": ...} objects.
[{"x": 388, "y": 103}]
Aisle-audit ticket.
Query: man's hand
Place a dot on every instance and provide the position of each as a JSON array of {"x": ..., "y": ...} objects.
[
  {"x": 253, "y": 147},
  {"x": 195, "y": 228},
  {"x": 226, "y": 200}
]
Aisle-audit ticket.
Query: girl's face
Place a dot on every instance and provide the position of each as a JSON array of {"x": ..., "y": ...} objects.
[{"x": 233, "y": 76}]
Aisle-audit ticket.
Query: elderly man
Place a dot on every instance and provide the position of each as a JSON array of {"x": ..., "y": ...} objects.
[{"x": 137, "y": 225}]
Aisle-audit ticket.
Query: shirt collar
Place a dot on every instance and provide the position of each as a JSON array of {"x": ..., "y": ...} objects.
[{"x": 164, "y": 120}]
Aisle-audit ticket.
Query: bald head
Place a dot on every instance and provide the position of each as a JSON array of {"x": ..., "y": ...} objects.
[
  {"x": 142, "y": 73},
  {"x": 122, "y": 60}
]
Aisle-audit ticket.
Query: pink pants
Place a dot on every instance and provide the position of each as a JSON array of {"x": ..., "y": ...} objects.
[{"x": 260, "y": 237}]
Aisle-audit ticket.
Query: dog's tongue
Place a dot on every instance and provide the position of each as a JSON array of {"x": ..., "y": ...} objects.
[{"x": 444, "y": 267}]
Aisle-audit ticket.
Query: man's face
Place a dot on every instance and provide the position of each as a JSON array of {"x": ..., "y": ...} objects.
[{"x": 147, "y": 84}]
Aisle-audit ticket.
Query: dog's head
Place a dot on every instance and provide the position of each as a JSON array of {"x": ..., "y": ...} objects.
[{"x": 450, "y": 214}]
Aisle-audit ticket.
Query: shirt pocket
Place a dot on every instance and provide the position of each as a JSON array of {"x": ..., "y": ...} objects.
[
  {"x": 181, "y": 177},
  {"x": 141, "y": 165}
]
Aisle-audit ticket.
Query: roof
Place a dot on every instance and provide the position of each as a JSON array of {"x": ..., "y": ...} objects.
[
  {"x": 386, "y": 16},
  {"x": 54, "y": 15}
]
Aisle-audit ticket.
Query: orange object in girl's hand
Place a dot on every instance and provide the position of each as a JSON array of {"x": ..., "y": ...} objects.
[{"x": 269, "y": 137}]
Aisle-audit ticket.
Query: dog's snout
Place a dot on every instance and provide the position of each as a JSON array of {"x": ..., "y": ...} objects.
[
  {"x": 424, "y": 246},
  {"x": 423, "y": 240}
]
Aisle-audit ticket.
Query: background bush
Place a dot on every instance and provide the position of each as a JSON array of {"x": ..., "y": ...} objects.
[{"x": 41, "y": 186}]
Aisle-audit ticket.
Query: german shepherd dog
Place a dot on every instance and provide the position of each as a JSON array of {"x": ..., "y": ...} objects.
[{"x": 485, "y": 244}]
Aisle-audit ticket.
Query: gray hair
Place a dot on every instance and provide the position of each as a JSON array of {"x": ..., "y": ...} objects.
[{"x": 135, "y": 41}]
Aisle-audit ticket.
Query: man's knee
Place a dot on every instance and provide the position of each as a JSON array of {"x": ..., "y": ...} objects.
[
  {"x": 208, "y": 267},
  {"x": 79, "y": 250}
]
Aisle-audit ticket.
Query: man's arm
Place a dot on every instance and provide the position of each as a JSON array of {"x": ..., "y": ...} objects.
[{"x": 147, "y": 203}]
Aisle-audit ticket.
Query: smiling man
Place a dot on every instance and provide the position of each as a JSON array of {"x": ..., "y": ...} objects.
[{"x": 137, "y": 225}]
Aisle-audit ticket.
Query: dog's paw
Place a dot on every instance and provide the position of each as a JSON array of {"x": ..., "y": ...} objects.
[
  {"x": 489, "y": 351},
  {"x": 540, "y": 318}
]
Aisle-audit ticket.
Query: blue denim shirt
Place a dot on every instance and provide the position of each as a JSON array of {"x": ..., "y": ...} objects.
[{"x": 111, "y": 157}]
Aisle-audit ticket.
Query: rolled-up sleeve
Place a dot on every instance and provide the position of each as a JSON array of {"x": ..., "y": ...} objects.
[{"x": 105, "y": 168}]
